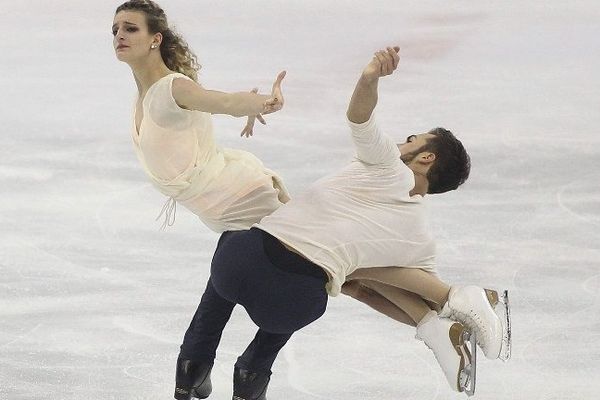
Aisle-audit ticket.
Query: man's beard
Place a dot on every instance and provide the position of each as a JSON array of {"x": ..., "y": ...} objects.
[{"x": 408, "y": 157}]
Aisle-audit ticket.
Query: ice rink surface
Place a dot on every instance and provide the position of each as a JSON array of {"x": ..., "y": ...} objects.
[{"x": 94, "y": 300}]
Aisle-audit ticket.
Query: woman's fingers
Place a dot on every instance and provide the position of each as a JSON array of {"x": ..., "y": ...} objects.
[
  {"x": 249, "y": 128},
  {"x": 275, "y": 103},
  {"x": 276, "y": 92},
  {"x": 247, "y": 131},
  {"x": 269, "y": 106},
  {"x": 277, "y": 83}
]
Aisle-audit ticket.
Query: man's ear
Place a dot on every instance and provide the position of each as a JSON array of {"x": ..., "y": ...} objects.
[{"x": 427, "y": 157}]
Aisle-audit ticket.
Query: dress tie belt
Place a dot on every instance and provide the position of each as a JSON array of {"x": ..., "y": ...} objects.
[{"x": 169, "y": 209}]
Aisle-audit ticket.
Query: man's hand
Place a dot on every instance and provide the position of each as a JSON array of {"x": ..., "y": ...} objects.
[
  {"x": 364, "y": 98},
  {"x": 384, "y": 63}
]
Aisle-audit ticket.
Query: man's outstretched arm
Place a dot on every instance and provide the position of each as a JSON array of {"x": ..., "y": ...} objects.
[{"x": 364, "y": 98}]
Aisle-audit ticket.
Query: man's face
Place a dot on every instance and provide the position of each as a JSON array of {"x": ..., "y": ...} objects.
[{"x": 413, "y": 145}]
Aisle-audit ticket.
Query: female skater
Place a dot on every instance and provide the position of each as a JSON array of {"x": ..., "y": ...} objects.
[
  {"x": 172, "y": 133},
  {"x": 172, "y": 130}
]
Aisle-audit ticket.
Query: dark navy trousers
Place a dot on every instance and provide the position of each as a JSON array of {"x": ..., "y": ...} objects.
[{"x": 281, "y": 291}]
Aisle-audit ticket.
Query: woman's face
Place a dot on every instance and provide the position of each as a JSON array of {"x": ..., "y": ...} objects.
[{"x": 131, "y": 39}]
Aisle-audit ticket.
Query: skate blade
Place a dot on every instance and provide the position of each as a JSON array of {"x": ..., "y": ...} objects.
[
  {"x": 503, "y": 309},
  {"x": 468, "y": 375},
  {"x": 499, "y": 303}
]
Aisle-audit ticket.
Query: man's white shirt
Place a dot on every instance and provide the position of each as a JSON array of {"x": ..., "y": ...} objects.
[{"x": 360, "y": 217}]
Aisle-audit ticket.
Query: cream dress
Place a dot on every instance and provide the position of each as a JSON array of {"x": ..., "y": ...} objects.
[{"x": 227, "y": 189}]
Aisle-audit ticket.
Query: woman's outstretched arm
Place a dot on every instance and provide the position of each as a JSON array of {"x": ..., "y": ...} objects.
[{"x": 190, "y": 95}]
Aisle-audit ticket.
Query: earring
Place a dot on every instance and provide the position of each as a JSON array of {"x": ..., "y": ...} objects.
[{"x": 153, "y": 46}]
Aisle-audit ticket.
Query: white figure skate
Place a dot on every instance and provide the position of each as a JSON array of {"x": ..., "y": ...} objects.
[
  {"x": 502, "y": 309},
  {"x": 485, "y": 313},
  {"x": 448, "y": 340}
]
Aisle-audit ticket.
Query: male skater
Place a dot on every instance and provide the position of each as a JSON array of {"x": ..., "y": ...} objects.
[{"x": 368, "y": 215}]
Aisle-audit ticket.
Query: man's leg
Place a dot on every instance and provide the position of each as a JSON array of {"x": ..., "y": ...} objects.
[
  {"x": 281, "y": 291},
  {"x": 252, "y": 370},
  {"x": 262, "y": 351},
  {"x": 283, "y": 303},
  {"x": 204, "y": 333},
  {"x": 200, "y": 343}
]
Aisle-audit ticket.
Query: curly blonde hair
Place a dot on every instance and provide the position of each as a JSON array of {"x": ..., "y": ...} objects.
[{"x": 174, "y": 50}]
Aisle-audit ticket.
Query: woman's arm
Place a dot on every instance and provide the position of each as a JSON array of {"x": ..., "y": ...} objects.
[{"x": 190, "y": 95}]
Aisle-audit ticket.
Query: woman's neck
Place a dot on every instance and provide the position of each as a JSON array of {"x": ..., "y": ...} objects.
[{"x": 145, "y": 76}]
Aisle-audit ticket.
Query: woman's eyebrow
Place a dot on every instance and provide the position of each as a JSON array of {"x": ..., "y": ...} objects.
[{"x": 124, "y": 22}]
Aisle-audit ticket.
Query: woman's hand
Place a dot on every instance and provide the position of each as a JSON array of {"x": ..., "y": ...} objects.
[
  {"x": 275, "y": 103},
  {"x": 247, "y": 131}
]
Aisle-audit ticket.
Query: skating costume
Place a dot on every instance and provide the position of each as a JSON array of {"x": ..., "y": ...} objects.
[
  {"x": 227, "y": 189},
  {"x": 361, "y": 217}
]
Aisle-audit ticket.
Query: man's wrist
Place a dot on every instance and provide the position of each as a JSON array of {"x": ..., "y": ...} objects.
[{"x": 368, "y": 79}]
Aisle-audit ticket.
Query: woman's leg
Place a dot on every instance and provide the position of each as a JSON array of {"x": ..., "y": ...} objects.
[
  {"x": 411, "y": 303},
  {"x": 398, "y": 304},
  {"x": 425, "y": 284},
  {"x": 443, "y": 336},
  {"x": 376, "y": 301}
]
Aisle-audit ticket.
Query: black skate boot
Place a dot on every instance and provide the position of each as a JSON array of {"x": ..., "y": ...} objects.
[
  {"x": 192, "y": 379},
  {"x": 250, "y": 385}
]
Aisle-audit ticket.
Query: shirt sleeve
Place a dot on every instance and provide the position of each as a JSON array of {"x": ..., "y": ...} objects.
[
  {"x": 164, "y": 110},
  {"x": 372, "y": 145}
]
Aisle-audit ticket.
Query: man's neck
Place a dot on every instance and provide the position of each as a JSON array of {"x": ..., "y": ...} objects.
[{"x": 421, "y": 185}]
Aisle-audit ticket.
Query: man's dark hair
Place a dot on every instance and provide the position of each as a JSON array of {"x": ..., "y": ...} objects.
[{"x": 452, "y": 163}]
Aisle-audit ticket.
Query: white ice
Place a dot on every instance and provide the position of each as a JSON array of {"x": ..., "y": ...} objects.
[{"x": 94, "y": 300}]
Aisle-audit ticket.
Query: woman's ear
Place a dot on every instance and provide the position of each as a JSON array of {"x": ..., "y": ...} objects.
[{"x": 157, "y": 39}]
